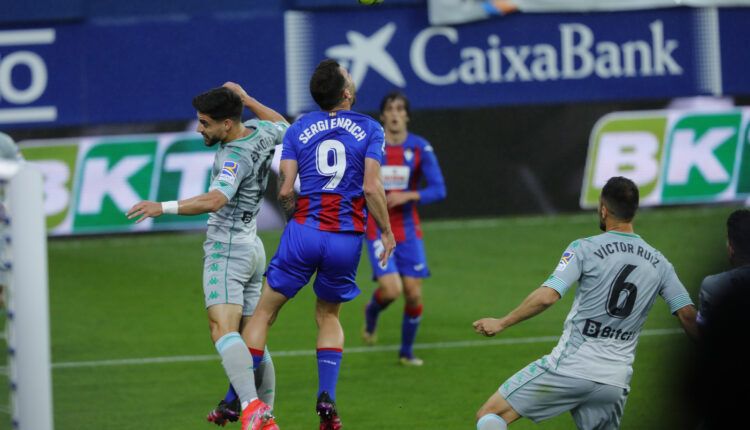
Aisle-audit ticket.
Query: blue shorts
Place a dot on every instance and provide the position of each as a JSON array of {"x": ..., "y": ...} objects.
[
  {"x": 304, "y": 250},
  {"x": 407, "y": 260}
]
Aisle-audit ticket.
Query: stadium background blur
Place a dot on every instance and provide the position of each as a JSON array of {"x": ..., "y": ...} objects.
[{"x": 129, "y": 341}]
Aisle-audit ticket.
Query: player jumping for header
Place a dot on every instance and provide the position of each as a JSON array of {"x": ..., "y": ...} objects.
[
  {"x": 234, "y": 255},
  {"x": 337, "y": 154}
]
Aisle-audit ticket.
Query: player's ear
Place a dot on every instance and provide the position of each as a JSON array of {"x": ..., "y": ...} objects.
[{"x": 730, "y": 249}]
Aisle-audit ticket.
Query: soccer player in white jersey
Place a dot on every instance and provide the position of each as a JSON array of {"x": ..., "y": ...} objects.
[
  {"x": 588, "y": 373},
  {"x": 234, "y": 256}
]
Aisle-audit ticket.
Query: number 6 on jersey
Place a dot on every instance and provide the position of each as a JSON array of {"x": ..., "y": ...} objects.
[{"x": 331, "y": 161}]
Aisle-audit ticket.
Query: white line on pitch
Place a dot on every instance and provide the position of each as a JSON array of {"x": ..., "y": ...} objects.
[{"x": 353, "y": 350}]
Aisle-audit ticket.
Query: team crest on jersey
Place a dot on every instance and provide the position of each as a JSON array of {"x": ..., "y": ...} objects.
[
  {"x": 408, "y": 154},
  {"x": 228, "y": 172},
  {"x": 565, "y": 259}
]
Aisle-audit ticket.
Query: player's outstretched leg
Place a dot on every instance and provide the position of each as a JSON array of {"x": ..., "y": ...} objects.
[
  {"x": 496, "y": 414},
  {"x": 389, "y": 288},
  {"x": 258, "y": 415},
  {"x": 412, "y": 319}
]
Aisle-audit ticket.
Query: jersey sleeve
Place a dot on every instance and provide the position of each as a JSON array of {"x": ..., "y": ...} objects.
[
  {"x": 568, "y": 270},
  {"x": 289, "y": 148},
  {"x": 672, "y": 290},
  {"x": 234, "y": 169},
  {"x": 435, "y": 189},
  {"x": 706, "y": 299},
  {"x": 376, "y": 146}
]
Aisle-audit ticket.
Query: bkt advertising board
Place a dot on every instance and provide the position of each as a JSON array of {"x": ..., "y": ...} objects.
[
  {"x": 675, "y": 157},
  {"x": 90, "y": 182}
]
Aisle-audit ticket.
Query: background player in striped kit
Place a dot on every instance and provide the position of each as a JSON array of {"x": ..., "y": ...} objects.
[
  {"x": 588, "y": 372},
  {"x": 234, "y": 254},
  {"x": 337, "y": 154},
  {"x": 409, "y": 159}
]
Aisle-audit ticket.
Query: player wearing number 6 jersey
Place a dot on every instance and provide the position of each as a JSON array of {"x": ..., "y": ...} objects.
[
  {"x": 337, "y": 154},
  {"x": 588, "y": 373}
]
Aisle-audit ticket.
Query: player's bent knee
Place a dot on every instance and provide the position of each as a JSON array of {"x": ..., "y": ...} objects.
[
  {"x": 220, "y": 328},
  {"x": 497, "y": 405}
]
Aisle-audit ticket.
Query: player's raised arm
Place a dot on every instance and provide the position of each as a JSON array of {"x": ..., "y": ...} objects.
[
  {"x": 377, "y": 206},
  {"x": 260, "y": 110},
  {"x": 537, "y": 302}
]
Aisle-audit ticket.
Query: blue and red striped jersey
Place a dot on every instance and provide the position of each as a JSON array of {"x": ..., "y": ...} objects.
[
  {"x": 330, "y": 149},
  {"x": 405, "y": 167}
]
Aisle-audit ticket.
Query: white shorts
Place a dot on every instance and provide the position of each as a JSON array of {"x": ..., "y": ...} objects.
[
  {"x": 233, "y": 274},
  {"x": 538, "y": 393}
]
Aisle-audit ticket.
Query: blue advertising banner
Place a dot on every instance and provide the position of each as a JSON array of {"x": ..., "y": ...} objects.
[
  {"x": 531, "y": 58},
  {"x": 127, "y": 71},
  {"x": 130, "y": 70}
]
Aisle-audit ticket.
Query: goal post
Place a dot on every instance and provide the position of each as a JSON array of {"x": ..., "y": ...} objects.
[{"x": 25, "y": 240}]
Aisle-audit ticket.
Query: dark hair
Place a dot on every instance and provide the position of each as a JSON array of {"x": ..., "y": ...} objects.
[
  {"x": 620, "y": 196},
  {"x": 393, "y": 96},
  {"x": 327, "y": 84},
  {"x": 219, "y": 103},
  {"x": 738, "y": 233}
]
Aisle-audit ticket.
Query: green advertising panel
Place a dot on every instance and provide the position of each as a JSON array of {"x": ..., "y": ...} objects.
[
  {"x": 743, "y": 183},
  {"x": 675, "y": 157},
  {"x": 58, "y": 162},
  {"x": 91, "y": 182},
  {"x": 185, "y": 172},
  {"x": 114, "y": 175},
  {"x": 701, "y": 156},
  {"x": 624, "y": 144}
]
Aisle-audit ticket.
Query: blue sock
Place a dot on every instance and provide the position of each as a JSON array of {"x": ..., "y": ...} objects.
[
  {"x": 409, "y": 327},
  {"x": 257, "y": 356},
  {"x": 373, "y": 309},
  {"x": 231, "y": 395},
  {"x": 329, "y": 363}
]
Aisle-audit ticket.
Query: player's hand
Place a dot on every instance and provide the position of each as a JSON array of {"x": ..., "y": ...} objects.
[
  {"x": 398, "y": 198},
  {"x": 145, "y": 209},
  {"x": 237, "y": 89},
  {"x": 488, "y": 326},
  {"x": 389, "y": 244}
]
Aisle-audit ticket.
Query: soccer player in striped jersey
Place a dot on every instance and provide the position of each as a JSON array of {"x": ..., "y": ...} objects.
[
  {"x": 588, "y": 373},
  {"x": 409, "y": 161},
  {"x": 337, "y": 154}
]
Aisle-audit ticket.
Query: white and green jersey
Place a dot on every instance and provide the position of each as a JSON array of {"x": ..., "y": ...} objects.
[
  {"x": 619, "y": 276},
  {"x": 240, "y": 172}
]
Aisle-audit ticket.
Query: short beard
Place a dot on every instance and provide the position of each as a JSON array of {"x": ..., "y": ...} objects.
[{"x": 211, "y": 142}]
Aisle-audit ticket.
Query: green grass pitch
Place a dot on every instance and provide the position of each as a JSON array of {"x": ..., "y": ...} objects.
[{"x": 140, "y": 296}]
